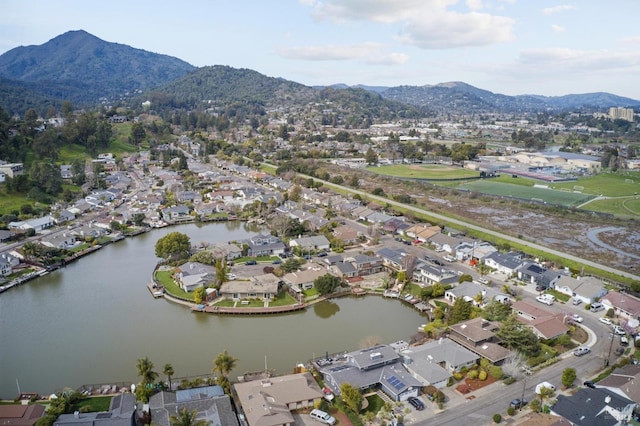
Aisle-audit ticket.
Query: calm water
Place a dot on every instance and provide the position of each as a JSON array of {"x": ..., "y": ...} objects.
[{"x": 91, "y": 321}]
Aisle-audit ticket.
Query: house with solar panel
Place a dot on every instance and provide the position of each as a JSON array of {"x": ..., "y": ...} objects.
[
  {"x": 377, "y": 367},
  {"x": 212, "y": 405}
]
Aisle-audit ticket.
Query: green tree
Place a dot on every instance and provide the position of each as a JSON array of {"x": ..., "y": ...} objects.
[
  {"x": 167, "y": 370},
  {"x": 465, "y": 277},
  {"x": 568, "y": 377},
  {"x": 326, "y": 283},
  {"x": 173, "y": 245},
  {"x": 186, "y": 417},
  {"x": 496, "y": 311},
  {"x": 371, "y": 157},
  {"x": 461, "y": 311},
  {"x": 148, "y": 376},
  {"x": 224, "y": 363},
  {"x": 222, "y": 270},
  {"x": 137, "y": 133},
  {"x": 199, "y": 294},
  {"x": 352, "y": 397},
  {"x": 544, "y": 393},
  {"x": 437, "y": 290},
  {"x": 516, "y": 336}
]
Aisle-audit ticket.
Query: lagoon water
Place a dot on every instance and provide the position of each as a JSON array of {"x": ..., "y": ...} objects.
[{"x": 89, "y": 322}]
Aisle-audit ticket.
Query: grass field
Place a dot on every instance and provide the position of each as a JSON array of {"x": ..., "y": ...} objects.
[
  {"x": 550, "y": 196},
  {"x": 607, "y": 184},
  {"x": 625, "y": 207},
  {"x": 424, "y": 171}
]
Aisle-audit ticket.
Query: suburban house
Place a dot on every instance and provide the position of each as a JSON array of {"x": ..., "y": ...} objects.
[
  {"x": 625, "y": 381},
  {"x": 6, "y": 268},
  {"x": 313, "y": 243},
  {"x": 375, "y": 367},
  {"x": 428, "y": 274},
  {"x": 536, "y": 274},
  {"x": 434, "y": 362},
  {"x": 476, "y": 294},
  {"x": 269, "y": 402},
  {"x": 264, "y": 286},
  {"x": 473, "y": 251},
  {"x": 346, "y": 234},
  {"x": 228, "y": 250},
  {"x": 444, "y": 242},
  {"x": 60, "y": 241},
  {"x": 478, "y": 335},
  {"x": 38, "y": 224},
  {"x": 6, "y": 235},
  {"x": 213, "y": 407},
  {"x": 594, "y": 407},
  {"x": 175, "y": 213},
  {"x": 421, "y": 232},
  {"x": 507, "y": 263},
  {"x": 303, "y": 279},
  {"x": 624, "y": 306},
  {"x": 122, "y": 412},
  {"x": 344, "y": 269},
  {"x": 392, "y": 259},
  {"x": 65, "y": 216},
  {"x": 193, "y": 275},
  {"x": 265, "y": 245},
  {"x": 587, "y": 289},
  {"x": 21, "y": 415},
  {"x": 365, "y": 264},
  {"x": 545, "y": 324}
]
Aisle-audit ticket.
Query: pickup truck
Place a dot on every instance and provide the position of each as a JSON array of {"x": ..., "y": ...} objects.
[{"x": 547, "y": 299}]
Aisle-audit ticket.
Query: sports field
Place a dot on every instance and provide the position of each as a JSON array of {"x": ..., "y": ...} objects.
[
  {"x": 424, "y": 171},
  {"x": 550, "y": 196},
  {"x": 625, "y": 207},
  {"x": 606, "y": 184}
]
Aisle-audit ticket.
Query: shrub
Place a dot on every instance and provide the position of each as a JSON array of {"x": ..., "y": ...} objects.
[
  {"x": 495, "y": 371},
  {"x": 509, "y": 380},
  {"x": 457, "y": 376},
  {"x": 511, "y": 411},
  {"x": 609, "y": 313},
  {"x": 497, "y": 418},
  {"x": 482, "y": 375},
  {"x": 473, "y": 374}
]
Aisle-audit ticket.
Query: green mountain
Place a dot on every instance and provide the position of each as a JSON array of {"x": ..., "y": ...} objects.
[{"x": 80, "y": 67}]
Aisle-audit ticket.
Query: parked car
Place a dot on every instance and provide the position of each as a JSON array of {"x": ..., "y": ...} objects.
[
  {"x": 250, "y": 262},
  {"x": 619, "y": 330},
  {"x": 624, "y": 341},
  {"x": 547, "y": 299},
  {"x": 605, "y": 320},
  {"x": 322, "y": 417},
  {"x": 277, "y": 262},
  {"x": 596, "y": 306},
  {"x": 582, "y": 350},
  {"x": 449, "y": 258},
  {"x": 575, "y": 317},
  {"x": 483, "y": 281},
  {"x": 590, "y": 384},
  {"x": 322, "y": 254},
  {"x": 576, "y": 301},
  {"x": 416, "y": 403},
  {"x": 518, "y": 403}
]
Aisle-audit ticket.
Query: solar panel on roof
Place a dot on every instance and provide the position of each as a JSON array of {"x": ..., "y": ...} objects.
[{"x": 339, "y": 368}]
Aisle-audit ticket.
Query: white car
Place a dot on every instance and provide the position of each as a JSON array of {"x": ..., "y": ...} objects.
[
  {"x": 546, "y": 299},
  {"x": 605, "y": 320},
  {"x": 576, "y": 318},
  {"x": 619, "y": 330}
]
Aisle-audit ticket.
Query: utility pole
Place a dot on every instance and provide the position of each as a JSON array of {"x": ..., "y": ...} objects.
[
  {"x": 524, "y": 385},
  {"x": 606, "y": 363}
]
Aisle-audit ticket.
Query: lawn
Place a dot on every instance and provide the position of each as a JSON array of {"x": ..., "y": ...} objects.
[
  {"x": 607, "y": 184},
  {"x": 165, "y": 279},
  {"x": 94, "y": 404},
  {"x": 550, "y": 196},
  {"x": 624, "y": 207},
  {"x": 12, "y": 202},
  {"x": 424, "y": 171}
]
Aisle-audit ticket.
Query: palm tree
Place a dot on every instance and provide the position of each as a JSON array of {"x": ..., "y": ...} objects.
[
  {"x": 144, "y": 368},
  {"x": 224, "y": 363},
  {"x": 221, "y": 270},
  {"x": 168, "y": 371},
  {"x": 186, "y": 418}
]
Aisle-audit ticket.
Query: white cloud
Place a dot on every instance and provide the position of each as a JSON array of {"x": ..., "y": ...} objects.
[
  {"x": 428, "y": 24},
  {"x": 558, "y": 28},
  {"x": 632, "y": 40},
  {"x": 557, "y": 9},
  {"x": 474, "y": 4},
  {"x": 567, "y": 61},
  {"x": 369, "y": 53}
]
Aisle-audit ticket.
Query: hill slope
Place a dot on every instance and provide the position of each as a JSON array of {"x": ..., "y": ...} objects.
[{"x": 81, "y": 67}]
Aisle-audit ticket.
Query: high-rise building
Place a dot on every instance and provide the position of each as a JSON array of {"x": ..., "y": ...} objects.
[{"x": 620, "y": 113}]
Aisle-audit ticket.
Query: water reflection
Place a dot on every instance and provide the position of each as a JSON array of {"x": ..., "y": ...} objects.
[{"x": 326, "y": 309}]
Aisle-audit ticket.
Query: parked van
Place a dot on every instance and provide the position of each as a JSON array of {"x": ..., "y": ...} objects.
[
  {"x": 596, "y": 306},
  {"x": 547, "y": 385},
  {"x": 323, "y": 417}
]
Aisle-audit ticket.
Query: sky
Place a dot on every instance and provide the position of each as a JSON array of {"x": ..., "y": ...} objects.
[{"x": 512, "y": 47}]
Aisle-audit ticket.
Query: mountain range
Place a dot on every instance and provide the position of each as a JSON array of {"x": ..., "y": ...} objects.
[{"x": 86, "y": 70}]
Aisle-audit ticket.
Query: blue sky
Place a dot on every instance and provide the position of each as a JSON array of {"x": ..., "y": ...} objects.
[{"x": 506, "y": 46}]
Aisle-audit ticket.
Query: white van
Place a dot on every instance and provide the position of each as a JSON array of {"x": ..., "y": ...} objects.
[
  {"x": 596, "y": 306},
  {"x": 323, "y": 417},
  {"x": 547, "y": 385}
]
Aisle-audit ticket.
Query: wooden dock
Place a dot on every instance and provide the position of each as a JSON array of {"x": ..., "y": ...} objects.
[{"x": 228, "y": 310}]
